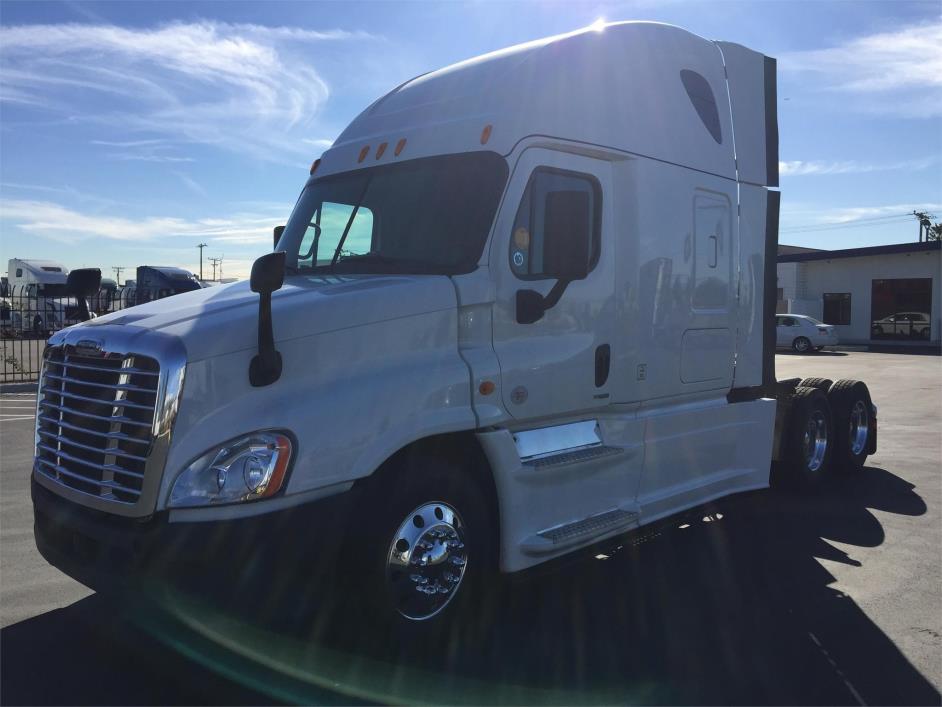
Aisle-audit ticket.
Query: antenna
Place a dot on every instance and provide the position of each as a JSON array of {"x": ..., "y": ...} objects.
[{"x": 201, "y": 246}]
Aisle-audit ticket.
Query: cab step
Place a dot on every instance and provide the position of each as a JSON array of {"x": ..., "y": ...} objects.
[
  {"x": 579, "y": 531},
  {"x": 573, "y": 457}
]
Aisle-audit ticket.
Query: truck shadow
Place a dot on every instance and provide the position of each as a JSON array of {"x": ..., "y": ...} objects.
[{"x": 728, "y": 606}]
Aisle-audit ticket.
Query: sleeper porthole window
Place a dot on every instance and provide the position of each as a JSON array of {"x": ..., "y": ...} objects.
[{"x": 704, "y": 102}]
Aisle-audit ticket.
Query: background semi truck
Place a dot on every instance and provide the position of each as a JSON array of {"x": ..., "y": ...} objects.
[
  {"x": 523, "y": 304},
  {"x": 38, "y": 292}
]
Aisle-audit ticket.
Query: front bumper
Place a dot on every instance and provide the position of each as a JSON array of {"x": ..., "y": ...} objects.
[{"x": 104, "y": 551}]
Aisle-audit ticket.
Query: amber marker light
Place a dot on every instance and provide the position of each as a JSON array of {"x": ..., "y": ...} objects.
[
  {"x": 486, "y": 387},
  {"x": 363, "y": 153},
  {"x": 283, "y": 445},
  {"x": 486, "y": 133},
  {"x": 399, "y": 146},
  {"x": 315, "y": 164},
  {"x": 380, "y": 150}
]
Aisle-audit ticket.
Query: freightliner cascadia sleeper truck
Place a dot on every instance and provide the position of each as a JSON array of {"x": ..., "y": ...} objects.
[{"x": 522, "y": 305}]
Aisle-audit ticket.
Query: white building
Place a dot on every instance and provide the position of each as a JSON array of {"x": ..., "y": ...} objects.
[{"x": 882, "y": 294}]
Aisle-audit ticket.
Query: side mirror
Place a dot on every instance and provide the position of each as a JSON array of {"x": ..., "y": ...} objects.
[
  {"x": 82, "y": 284},
  {"x": 567, "y": 236},
  {"x": 277, "y": 233},
  {"x": 268, "y": 275}
]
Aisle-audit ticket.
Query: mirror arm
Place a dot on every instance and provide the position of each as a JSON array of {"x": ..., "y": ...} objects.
[
  {"x": 265, "y": 368},
  {"x": 555, "y": 294}
]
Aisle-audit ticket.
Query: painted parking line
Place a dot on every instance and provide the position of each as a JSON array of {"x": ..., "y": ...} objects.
[{"x": 16, "y": 419}]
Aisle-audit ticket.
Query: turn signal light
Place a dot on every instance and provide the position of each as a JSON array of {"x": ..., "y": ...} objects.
[
  {"x": 486, "y": 133},
  {"x": 380, "y": 150},
  {"x": 399, "y": 146},
  {"x": 363, "y": 153}
]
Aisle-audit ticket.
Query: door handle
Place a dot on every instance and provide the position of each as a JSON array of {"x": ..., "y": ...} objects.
[
  {"x": 603, "y": 361},
  {"x": 715, "y": 251}
]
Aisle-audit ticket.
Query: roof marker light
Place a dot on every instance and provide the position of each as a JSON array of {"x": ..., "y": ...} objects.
[
  {"x": 315, "y": 164},
  {"x": 486, "y": 133},
  {"x": 380, "y": 150},
  {"x": 363, "y": 153},
  {"x": 399, "y": 145}
]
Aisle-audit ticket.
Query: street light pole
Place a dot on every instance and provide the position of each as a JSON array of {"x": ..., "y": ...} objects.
[{"x": 201, "y": 246}]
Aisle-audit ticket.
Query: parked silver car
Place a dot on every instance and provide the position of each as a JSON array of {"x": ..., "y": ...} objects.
[{"x": 802, "y": 333}]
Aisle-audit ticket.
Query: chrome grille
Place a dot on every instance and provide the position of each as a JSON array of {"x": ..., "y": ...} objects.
[{"x": 95, "y": 421}]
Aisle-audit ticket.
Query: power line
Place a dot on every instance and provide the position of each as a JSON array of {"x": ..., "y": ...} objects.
[
  {"x": 847, "y": 224},
  {"x": 864, "y": 219}
]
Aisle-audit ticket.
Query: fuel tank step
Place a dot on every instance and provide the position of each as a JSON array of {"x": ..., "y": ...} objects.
[{"x": 579, "y": 531}]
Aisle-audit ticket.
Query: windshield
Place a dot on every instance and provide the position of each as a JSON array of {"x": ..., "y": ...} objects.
[{"x": 428, "y": 215}]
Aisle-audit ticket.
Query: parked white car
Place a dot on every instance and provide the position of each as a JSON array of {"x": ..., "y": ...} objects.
[{"x": 802, "y": 333}]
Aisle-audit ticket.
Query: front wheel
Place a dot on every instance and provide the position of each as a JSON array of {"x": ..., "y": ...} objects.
[
  {"x": 426, "y": 544},
  {"x": 801, "y": 345}
]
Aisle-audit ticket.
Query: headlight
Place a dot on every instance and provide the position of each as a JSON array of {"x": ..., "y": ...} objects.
[{"x": 244, "y": 469}]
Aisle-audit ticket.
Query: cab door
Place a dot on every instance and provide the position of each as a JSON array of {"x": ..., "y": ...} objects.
[{"x": 553, "y": 336}]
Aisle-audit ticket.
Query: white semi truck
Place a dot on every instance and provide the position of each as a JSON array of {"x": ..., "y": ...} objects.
[
  {"x": 524, "y": 304},
  {"x": 38, "y": 292}
]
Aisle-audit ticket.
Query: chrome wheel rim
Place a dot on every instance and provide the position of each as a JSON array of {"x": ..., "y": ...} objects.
[
  {"x": 426, "y": 562},
  {"x": 859, "y": 427},
  {"x": 816, "y": 440}
]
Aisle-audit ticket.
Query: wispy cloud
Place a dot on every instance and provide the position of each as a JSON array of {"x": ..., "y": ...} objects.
[
  {"x": 241, "y": 87},
  {"x": 896, "y": 72},
  {"x": 66, "y": 225},
  {"x": 796, "y": 168}
]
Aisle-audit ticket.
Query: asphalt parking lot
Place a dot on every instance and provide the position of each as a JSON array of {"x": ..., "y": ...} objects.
[{"x": 764, "y": 598}]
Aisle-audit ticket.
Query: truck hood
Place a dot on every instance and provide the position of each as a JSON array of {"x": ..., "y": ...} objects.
[{"x": 224, "y": 319}]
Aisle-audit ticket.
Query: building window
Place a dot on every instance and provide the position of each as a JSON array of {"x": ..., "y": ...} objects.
[
  {"x": 901, "y": 309},
  {"x": 837, "y": 307}
]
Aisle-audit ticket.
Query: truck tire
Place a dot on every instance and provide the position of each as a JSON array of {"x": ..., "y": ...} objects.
[
  {"x": 853, "y": 423},
  {"x": 801, "y": 345},
  {"x": 822, "y": 384},
  {"x": 807, "y": 444},
  {"x": 425, "y": 546}
]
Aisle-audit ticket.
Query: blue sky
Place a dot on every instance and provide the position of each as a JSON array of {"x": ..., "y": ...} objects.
[{"x": 131, "y": 132}]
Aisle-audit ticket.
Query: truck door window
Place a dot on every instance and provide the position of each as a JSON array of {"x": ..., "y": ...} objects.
[{"x": 547, "y": 189}]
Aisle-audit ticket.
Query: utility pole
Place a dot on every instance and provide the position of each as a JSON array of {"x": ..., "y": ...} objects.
[
  {"x": 215, "y": 262},
  {"x": 117, "y": 273},
  {"x": 201, "y": 246},
  {"x": 925, "y": 223}
]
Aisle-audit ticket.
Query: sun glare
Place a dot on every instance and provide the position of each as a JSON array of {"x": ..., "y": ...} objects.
[{"x": 598, "y": 25}]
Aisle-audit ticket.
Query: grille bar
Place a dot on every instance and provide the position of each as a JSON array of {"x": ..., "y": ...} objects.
[
  {"x": 108, "y": 450},
  {"x": 112, "y": 468},
  {"x": 84, "y": 367},
  {"x": 120, "y": 386},
  {"x": 118, "y": 436},
  {"x": 102, "y": 418},
  {"x": 117, "y": 402},
  {"x": 114, "y": 486}
]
